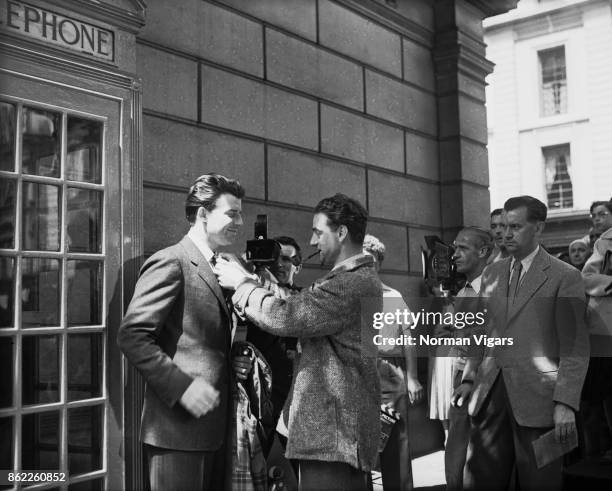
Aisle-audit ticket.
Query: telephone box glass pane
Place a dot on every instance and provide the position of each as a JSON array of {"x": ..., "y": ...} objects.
[
  {"x": 40, "y": 292},
  {"x": 84, "y": 220},
  {"x": 84, "y": 292},
  {"x": 84, "y": 366},
  {"x": 7, "y": 136},
  {"x": 84, "y": 150},
  {"x": 40, "y": 441},
  {"x": 41, "y": 217},
  {"x": 40, "y": 370},
  {"x": 8, "y": 209},
  {"x": 41, "y": 142}
]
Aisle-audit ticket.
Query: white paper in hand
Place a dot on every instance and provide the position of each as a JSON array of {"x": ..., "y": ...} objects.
[{"x": 546, "y": 449}]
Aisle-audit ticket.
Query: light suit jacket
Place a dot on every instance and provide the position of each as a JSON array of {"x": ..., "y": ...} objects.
[
  {"x": 598, "y": 284},
  {"x": 548, "y": 360},
  {"x": 177, "y": 328},
  {"x": 334, "y": 414},
  {"x": 597, "y": 277}
]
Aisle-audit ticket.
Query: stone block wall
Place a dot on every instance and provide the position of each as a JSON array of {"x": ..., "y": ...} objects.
[{"x": 300, "y": 99}]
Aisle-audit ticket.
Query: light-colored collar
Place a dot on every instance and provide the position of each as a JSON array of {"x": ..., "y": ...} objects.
[
  {"x": 476, "y": 283},
  {"x": 350, "y": 262},
  {"x": 607, "y": 234},
  {"x": 526, "y": 261},
  {"x": 201, "y": 244}
]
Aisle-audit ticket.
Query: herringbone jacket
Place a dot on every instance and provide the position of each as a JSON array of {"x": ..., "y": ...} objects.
[{"x": 335, "y": 398}]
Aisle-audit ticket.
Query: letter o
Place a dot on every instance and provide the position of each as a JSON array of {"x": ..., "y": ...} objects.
[{"x": 74, "y": 28}]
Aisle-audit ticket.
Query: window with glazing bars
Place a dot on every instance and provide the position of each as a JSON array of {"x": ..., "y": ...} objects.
[
  {"x": 553, "y": 89},
  {"x": 52, "y": 333},
  {"x": 557, "y": 169}
]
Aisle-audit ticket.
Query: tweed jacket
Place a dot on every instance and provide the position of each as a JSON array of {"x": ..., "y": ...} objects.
[
  {"x": 335, "y": 396},
  {"x": 548, "y": 360},
  {"x": 177, "y": 327}
]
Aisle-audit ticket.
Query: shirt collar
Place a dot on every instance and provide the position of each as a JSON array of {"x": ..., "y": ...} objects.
[
  {"x": 201, "y": 244},
  {"x": 526, "y": 261},
  {"x": 476, "y": 284}
]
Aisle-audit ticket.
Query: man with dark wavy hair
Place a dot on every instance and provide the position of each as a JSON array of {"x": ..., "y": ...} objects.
[
  {"x": 176, "y": 333},
  {"x": 334, "y": 425}
]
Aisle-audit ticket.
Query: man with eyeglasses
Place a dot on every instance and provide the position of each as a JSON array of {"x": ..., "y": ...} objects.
[
  {"x": 601, "y": 214},
  {"x": 289, "y": 262},
  {"x": 279, "y": 351}
]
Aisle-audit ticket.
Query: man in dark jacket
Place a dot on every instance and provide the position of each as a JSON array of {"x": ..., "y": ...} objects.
[{"x": 334, "y": 425}]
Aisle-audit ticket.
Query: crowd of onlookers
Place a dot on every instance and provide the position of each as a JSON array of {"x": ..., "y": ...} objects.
[
  {"x": 579, "y": 250},
  {"x": 512, "y": 414},
  {"x": 237, "y": 357}
]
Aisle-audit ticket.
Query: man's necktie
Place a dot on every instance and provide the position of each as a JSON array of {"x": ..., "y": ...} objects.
[{"x": 514, "y": 282}]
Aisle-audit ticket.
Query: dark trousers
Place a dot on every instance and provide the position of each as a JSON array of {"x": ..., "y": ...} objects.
[
  {"x": 294, "y": 463},
  {"x": 395, "y": 461},
  {"x": 595, "y": 421},
  {"x": 178, "y": 470},
  {"x": 498, "y": 443},
  {"x": 457, "y": 442},
  {"x": 316, "y": 475}
]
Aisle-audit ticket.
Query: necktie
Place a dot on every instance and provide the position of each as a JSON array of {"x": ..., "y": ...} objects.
[{"x": 514, "y": 282}]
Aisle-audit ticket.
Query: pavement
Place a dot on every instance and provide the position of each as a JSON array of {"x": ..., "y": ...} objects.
[
  {"x": 428, "y": 473},
  {"x": 427, "y": 470}
]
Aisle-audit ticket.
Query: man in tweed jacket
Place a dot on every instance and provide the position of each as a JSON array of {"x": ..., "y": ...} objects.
[{"x": 334, "y": 425}]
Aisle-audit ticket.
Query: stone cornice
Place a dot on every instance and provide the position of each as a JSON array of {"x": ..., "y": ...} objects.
[
  {"x": 553, "y": 15},
  {"x": 389, "y": 18},
  {"x": 456, "y": 49},
  {"x": 493, "y": 7},
  {"x": 130, "y": 20}
]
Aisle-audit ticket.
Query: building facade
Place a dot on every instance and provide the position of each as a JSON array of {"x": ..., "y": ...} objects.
[
  {"x": 549, "y": 107},
  {"x": 110, "y": 109}
]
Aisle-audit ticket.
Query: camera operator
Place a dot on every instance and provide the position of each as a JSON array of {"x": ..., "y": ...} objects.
[
  {"x": 279, "y": 351},
  {"x": 334, "y": 422}
]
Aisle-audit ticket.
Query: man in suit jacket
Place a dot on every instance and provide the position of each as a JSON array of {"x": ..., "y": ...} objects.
[
  {"x": 334, "y": 414},
  {"x": 523, "y": 390},
  {"x": 176, "y": 332}
]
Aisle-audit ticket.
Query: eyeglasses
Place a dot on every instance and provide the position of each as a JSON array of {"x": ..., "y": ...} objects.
[
  {"x": 295, "y": 260},
  {"x": 600, "y": 214}
]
